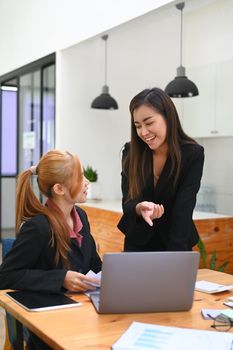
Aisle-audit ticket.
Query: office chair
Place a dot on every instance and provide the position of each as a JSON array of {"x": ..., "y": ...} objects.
[{"x": 7, "y": 244}]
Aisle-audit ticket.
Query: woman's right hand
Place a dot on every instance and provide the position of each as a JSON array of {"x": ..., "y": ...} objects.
[
  {"x": 77, "y": 282},
  {"x": 149, "y": 211}
]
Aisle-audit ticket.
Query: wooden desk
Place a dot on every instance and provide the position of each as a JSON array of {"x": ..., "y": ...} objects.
[{"x": 82, "y": 328}]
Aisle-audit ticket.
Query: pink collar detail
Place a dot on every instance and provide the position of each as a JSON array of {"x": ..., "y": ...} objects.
[{"x": 78, "y": 225}]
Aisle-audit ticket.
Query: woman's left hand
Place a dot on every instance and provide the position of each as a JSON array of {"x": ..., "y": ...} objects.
[{"x": 158, "y": 211}]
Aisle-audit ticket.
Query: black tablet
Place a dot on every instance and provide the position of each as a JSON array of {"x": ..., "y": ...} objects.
[{"x": 37, "y": 301}]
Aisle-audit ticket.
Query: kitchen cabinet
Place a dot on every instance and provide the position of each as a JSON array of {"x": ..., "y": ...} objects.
[
  {"x": 210, "y": 114},
  {"x": 224, "y": 110}
]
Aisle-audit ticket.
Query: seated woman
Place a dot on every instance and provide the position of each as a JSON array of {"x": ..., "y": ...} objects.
[{"x": 54, "y": 248}]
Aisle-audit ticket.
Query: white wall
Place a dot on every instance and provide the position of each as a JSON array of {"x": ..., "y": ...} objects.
[
  {"x": 208, "y": 40},
  {"x": 31, "y": 29},
  {"x": 209, "y": 34},
  {"x": 135, "y": 62},
  {"x": 142, "y": 53}
]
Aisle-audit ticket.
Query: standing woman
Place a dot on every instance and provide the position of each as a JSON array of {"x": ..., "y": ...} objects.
[
  {"x": 54, "y": 248},
  {"x": 161, "y": 173}
]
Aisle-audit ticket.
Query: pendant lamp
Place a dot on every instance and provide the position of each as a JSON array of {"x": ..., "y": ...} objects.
[
  {"x": 105, "y": 100},
  {"x": 181, "y": 86}
]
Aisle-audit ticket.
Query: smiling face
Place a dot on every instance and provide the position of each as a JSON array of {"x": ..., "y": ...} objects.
[{"x": 151, "y": 127}]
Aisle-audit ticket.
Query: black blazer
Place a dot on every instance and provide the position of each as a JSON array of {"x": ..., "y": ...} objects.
[
  {"x": 30, "y": 264},
  {"x": 175, "y": 230}
]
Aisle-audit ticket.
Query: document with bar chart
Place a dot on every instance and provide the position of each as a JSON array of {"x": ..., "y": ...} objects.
[{"x": 143, "y": 336}]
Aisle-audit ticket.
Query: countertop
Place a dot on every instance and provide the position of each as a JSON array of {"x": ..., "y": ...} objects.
[{"x": 115, "y": 205}]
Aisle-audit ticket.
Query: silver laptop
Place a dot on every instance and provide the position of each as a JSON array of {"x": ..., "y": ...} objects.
[{"x": 147, "y": 282}]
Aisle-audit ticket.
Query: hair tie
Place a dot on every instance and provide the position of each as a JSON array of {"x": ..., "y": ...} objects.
[{"x": 33, "y": 169}]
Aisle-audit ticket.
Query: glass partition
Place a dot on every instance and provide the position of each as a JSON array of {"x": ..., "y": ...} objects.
[
  {"x": 29, "y": 120},
  {"x": 27, "y": 129},
  {"x": 9, "y": 131}
]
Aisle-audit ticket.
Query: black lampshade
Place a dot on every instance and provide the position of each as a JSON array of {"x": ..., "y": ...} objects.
[
  {"x": 181, "y": 86},
  {"x": 104, "y": 100}
]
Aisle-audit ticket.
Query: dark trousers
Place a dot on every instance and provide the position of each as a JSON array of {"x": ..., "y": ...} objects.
[{"x": 35, "y": 343}]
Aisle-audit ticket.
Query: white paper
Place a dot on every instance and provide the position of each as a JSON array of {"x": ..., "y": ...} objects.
[
  {"x": 212, "y": 312},
  {"x": 148, "y": 336},
  {"x": 97, "y": 276},
  {"x": 210, "y": 287},
  {"x": 91, "y": 292}
]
